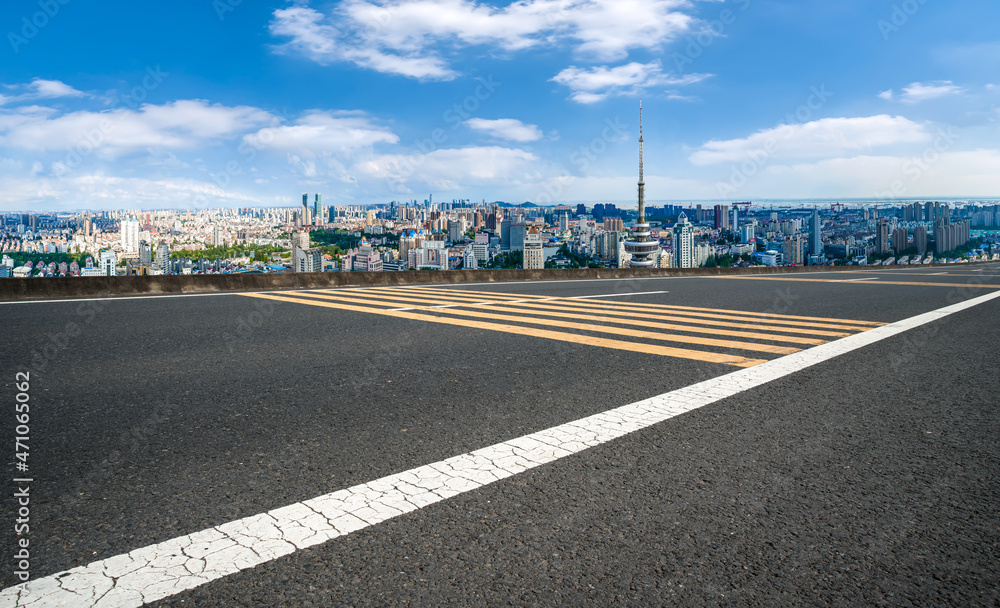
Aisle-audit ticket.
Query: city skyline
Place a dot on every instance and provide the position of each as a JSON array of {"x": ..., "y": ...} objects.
[{"x": 370, "y": 102}]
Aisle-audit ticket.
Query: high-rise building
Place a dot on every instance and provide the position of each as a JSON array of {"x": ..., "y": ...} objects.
[
  {"x": 534, "y": 254},
  {"x": 900, "y": 240},
  {"x": 882, "y": 244},
  {"x": 317, "y": 215},
  {"x": 163, "y": 257},
  {"x": 304, "y": 214},
  {"x": 564, "y": 222},
  {"x": 683, "y": 243},
  {"x": 640, "y": 249},
  {"x": 145, "y": 254},
  {"x": 722, "y": 217},
  {"x": 815, "y": 235},
  {"x": 217, "y": 238},
  {"x": 130, "y": 236},
  {"x": 456, "y": 233},
  {"x": 518, "y": 231},
  {"x": 792, "y": 250},
  {"x": 920, "y": 239}
]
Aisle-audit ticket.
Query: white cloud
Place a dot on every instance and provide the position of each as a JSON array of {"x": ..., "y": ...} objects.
[
  {"x": 952, "y": 173},
  {"x": 40, "y": 88},
  {"x": 103, "y": 191},
  {"x": 451, "y": 168},
  {"x": 409, "y": 37},
  {"x": 828, "y": 137},
  {"x": 179, "y": 124},
  {"x": 917, "y": 92},
  {"x": 590, "y": 85},
  {"x": 319, "y": 133},
  {"x": 506, "y": 128}
]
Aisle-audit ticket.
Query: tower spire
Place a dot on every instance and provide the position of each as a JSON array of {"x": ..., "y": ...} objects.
[
  {"x": 640, "y": 141},
  {"x": 639, "y": 246}
]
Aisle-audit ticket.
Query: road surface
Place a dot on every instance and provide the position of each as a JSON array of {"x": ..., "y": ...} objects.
[{"x": 783, "y": 440}]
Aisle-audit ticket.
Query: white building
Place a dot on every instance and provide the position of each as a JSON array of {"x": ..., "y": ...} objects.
[
  {"x": 684, "y": 243},
  {"x": 534, "y": 254},
  {"x": 130, "y": 236},
  {"x": 367, "y": 259},
  {"x": 109, "y": 262},
  {"x": 308, "y": 260},
  {"x": 469, "y": 259}
]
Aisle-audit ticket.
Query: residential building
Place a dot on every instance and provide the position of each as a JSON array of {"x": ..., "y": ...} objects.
[
  {"x": 534, "y": 254},
  {"x": 683, "y": 243}
]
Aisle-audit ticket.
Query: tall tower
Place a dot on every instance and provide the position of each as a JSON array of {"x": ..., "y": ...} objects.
[{"x": 639, "y": 247}]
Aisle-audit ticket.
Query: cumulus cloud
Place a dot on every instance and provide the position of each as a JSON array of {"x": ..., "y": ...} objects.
[
  {"x": 590, "y": 85},
  {"x": 828, "y": 137},
  {"x": 321, "y": 132},
  {"x": 179, "y": 124},
  {"x": 917, "y": 92},
  {"x": 103, "y": 191},
  {"x": 506, "y": 128},
  {"x": 410, "y": 37},
  {"x": 39, "y": 88}
]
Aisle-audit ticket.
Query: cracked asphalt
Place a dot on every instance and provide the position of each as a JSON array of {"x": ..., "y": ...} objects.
[{"x": 868, "y": 479}]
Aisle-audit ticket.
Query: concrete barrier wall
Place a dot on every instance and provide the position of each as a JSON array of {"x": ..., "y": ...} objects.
[{"x": 94, "y": 287}]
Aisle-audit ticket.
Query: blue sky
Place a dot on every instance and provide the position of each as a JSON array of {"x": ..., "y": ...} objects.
[{"x": 206, "y": 103}]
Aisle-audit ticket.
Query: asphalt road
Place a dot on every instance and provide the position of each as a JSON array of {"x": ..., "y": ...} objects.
[{"x": 867, "y": 479}]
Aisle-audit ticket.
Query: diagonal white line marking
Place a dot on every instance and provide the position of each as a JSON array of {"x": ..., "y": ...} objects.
[{"x": 168, "y": 568}]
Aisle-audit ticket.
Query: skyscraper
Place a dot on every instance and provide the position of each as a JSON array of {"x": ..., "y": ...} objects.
[
  {"x": 641, "y": 250},
  {"x": 815, "y": 235},
  {"x": 130, "y": 236},
  {"x": 683, "y": 243},
  {"x": 882, "y": 243},
  {"x": 920, "y": 239}
]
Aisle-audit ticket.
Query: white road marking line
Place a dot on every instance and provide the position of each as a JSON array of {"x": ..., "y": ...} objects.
[
  {"x": 168, "y": 568},
  {"x": 868, "y": 279},
  {"x": 934, "y": 274}
]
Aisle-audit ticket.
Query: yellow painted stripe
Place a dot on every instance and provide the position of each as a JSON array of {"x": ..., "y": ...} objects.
[
  {"x": 473, "y": 292},
  {"x": 398, "y": 293},
  {"x": 672, "y": 307},
  {"x": 604, "y": 319},
  {"x": 607, "y": 329},
  {"x": 604, "y": 306},
  {"x": 402, "y": 299},
  {"x": 455, "y": 293},
  {"x": 650, "y": 349},
  {"x": 855, "y": 282},
  {"x": 666, "y": 317},
  {"x": 599, "y": 306}
]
